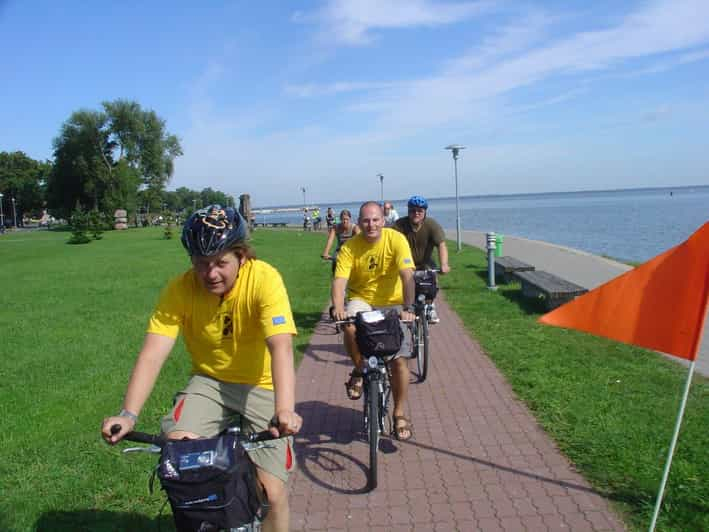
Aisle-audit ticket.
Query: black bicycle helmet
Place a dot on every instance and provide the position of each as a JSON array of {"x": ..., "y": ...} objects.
[
  {"x": 418, "y": 201},
  {"x": 212, "y": 230}
]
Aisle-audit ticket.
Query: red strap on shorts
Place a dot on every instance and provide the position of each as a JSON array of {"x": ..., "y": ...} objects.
[
  {"x": 178, "y": 409},
  {"x": 289, "y": 458}
]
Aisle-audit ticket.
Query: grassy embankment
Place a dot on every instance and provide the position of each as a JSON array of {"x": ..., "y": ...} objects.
[
  {"x": 611, "y": 407},
  {"x": 73, "y": 316}
]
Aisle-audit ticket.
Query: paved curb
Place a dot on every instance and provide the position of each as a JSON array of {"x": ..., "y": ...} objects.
[{"x": 478, "y": 460}]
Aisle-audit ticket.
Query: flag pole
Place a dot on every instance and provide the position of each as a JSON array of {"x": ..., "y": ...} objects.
[{"x": 666, "y": 474}]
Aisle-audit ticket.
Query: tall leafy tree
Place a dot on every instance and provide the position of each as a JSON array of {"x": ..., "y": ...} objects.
[
  {"x": 23, "y": 179},
  {"x": 103, "y": 158}
]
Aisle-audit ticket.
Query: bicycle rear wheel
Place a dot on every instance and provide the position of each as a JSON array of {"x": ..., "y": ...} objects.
[{"x": 372, "y": 407}]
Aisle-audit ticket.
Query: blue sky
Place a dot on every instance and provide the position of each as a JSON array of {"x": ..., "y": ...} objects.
[{"x": 268, "y": 97}]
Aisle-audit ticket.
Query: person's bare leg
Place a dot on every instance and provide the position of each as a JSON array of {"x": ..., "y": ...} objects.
[
  {"x": 400, "y": 387},
  {"x": 353, "y": 351},
  {"x": 278, "y": 518},
  {"x": 351, "y": 346}
]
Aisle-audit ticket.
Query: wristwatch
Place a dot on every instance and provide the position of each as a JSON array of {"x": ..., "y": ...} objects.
[{"x": 129, "y": 415}]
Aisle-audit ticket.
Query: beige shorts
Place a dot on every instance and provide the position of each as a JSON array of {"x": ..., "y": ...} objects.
[
  {"x": 354, "y": 306},
  {"x": 208, "y": 406}
]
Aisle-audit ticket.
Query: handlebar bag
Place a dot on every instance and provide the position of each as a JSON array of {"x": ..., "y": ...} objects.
[
  {"x": 209, "y": 482},
  {"x": 426, "y": 284},
  {"x": 378, "y": 333}
]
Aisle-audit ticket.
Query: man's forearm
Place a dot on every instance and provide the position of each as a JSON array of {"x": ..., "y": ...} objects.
[
  {"x": 338, "y": 292},
  {"x": 147, "y": 367},
  {"x": 282, "y": 371},
  {"x": 407, "y": 280},
  {"x": 443, "y": 254}
]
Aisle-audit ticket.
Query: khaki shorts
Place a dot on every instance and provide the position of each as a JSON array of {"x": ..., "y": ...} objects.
[
  {"x": 357, "y": 305},
  {"x": 208, "y": 406}
]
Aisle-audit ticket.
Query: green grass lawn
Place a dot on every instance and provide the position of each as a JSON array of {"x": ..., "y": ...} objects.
[
  {"x": 611, "y": 407},
  {"x": 72, "y": 320}
]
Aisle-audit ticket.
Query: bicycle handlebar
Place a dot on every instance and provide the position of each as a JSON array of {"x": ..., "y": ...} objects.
[
  {"x": 352, "y": 319},
  {"x": 160, "y": 441}
]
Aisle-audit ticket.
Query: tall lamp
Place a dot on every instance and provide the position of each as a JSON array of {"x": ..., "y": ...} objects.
[{"x": 455, "y": 149}]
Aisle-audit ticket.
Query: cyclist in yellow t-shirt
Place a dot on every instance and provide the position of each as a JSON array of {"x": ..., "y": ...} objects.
[
  {"x": 376, "y": 267},
  {"x": 234, "y": 314}
]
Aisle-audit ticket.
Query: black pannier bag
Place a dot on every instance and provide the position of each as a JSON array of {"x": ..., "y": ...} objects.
[
  {"x": 378, "y": 333},
  {"x": 209, "y": 480},
  {"x": 425, "y": 281}
]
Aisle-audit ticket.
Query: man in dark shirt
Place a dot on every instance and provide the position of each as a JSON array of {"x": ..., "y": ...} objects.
[{"x": 423, "y": 234}]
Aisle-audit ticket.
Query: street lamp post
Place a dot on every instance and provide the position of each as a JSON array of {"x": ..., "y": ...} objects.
[
  {"x": 2, "y": 215},
  {"x": 381, "y": 187},
  {"x": 455, "y": 149},
  {"x": 14, "y": 212},
  {"x": 305, "y": 204}
]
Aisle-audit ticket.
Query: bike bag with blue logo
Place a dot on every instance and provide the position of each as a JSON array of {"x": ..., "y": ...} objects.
[
  {"x": 378, "y": 334},
  {"x": 209, "y": 481}
]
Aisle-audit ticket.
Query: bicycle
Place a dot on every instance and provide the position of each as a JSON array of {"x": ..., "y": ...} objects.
[
  {"x": 376, "y": 377},
  {"x": 187, "y": 463},
  {"x": 426, "y": 289}
]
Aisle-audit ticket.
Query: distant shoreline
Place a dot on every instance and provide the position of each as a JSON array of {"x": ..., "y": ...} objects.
[{"x": 679, "y": 188}]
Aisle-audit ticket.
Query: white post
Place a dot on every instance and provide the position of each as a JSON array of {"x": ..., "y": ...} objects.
[{"x": 666, "y": 473}]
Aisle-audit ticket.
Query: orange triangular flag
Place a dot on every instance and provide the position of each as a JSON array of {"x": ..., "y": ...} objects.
[{"x": 659, "y": 305}]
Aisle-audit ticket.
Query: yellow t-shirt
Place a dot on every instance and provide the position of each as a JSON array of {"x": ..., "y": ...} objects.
[
  {"x": 227, "y": 336},
  {"x": 373, "y": 269}
]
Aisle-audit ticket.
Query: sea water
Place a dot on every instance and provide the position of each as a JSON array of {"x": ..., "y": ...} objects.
[{"x": 633, "y": 224}]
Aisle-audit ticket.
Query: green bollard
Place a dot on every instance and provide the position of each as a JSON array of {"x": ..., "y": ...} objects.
[{"x": 498, "y": 245}]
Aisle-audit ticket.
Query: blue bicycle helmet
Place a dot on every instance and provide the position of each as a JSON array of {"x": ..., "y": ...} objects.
[
  {"x": 418, "y": 201},
  {"x": 212, "y": 230}
]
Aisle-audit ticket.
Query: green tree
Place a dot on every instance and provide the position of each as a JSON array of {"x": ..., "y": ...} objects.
[
  {"x": 24, "y": 179},
  {"x": 79, "y": 221},
  {"x": 102, "y": 158},
  {"x": 210, "y": 197}
]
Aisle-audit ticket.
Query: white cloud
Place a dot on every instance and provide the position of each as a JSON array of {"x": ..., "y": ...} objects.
[
  {"x": 312, "y": 89},
  {"x": 352, "y": 22},
  {"x": 467, "y": 95}
]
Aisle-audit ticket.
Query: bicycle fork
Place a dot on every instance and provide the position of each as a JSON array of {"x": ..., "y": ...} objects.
[{"x": 380, "y": 373}]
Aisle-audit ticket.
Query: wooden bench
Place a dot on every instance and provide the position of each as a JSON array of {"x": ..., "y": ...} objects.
[
  {"x": 506, "y": 267},
  {"x": 554, "y": 290}
]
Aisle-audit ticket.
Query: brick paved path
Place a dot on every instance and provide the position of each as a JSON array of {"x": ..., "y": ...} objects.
[{"x": 478, "y": 460}]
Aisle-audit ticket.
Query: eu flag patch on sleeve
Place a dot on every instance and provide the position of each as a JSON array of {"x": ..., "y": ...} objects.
[
  {"x": 407, "y": 261},
  {"x": 278, "y": 320}
]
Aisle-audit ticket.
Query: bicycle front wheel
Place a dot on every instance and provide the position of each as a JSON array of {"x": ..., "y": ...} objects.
[
  {"x": 423, "y": 351},
  {"x": 373, "y": 417}
]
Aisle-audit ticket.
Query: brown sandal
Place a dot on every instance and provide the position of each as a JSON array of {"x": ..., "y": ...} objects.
[
  {"x": 355, "y": 385},
  {"x": 402, "y": 425}
]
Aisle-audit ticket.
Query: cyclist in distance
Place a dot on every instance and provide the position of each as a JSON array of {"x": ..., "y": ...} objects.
[
  {"x": 342, "y": 232},
  {"x": 424, "y": 234},
  {"x": 234, "y": 313},
  {"x": 376, "y": 268}
]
